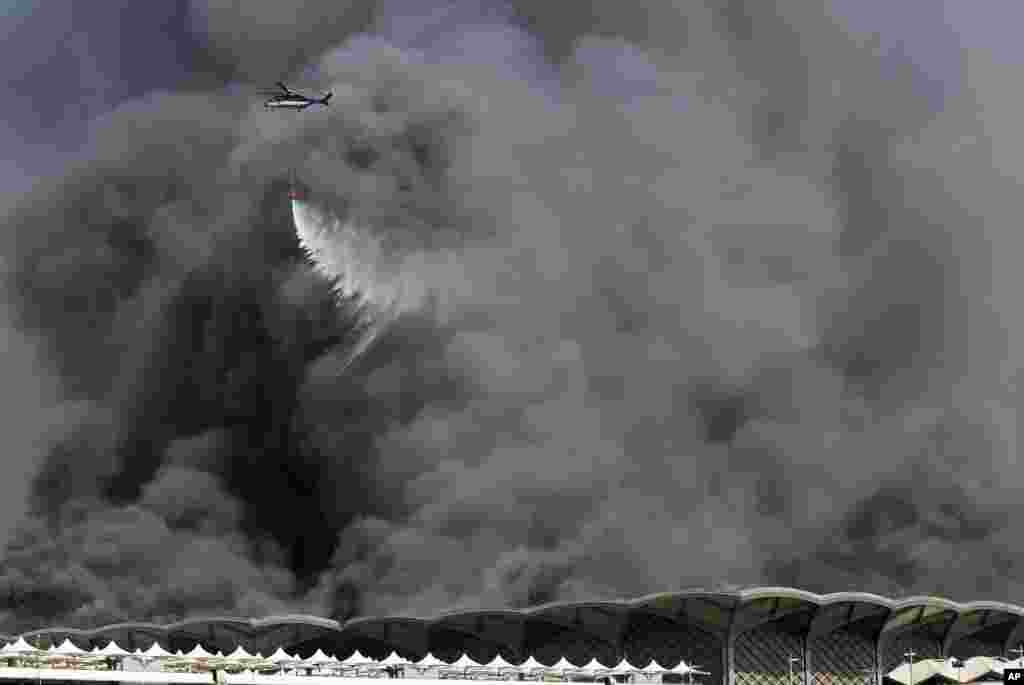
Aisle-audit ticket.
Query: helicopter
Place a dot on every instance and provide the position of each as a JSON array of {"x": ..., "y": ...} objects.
[{"x": 287, "y": 98}]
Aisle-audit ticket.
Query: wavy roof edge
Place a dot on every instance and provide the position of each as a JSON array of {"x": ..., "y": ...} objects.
[{"x": 740, "y": 597}]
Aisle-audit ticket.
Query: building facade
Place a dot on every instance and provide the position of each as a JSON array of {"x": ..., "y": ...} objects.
[{"x": 758, "y": 636}]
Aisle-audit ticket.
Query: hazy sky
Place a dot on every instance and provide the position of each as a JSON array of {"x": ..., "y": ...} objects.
[{"x": 698, "y": 293}]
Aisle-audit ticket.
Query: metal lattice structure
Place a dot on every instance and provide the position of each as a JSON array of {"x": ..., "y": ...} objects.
[
  {"x": 842, "y": 657},
  {"x": 762, "y": 657}
]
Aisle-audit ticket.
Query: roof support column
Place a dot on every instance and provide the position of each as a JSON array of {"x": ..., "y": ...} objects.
[
  {"x": 877, "y": 668},
  {"x": 728, "y": 659},
  {"x": 805, "y": 658}
]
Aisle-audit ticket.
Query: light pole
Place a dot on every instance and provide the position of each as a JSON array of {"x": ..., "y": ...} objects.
[
  {"x": 910, "y": 659},
  {"x": 792, "y": 660}
]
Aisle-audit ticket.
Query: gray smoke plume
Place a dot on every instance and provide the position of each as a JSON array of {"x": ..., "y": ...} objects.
[{"x": 704, "y": 293}]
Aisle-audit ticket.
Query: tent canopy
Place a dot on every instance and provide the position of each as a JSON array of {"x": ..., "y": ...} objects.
[
  {"x": 429, "y": 661},
  {"x": 280, "y": 657},
  {"x": 357, "y": 658},
  {"x": 393, "y": 659},
  {"x": 564, "y": 664},
  {"x": 20, "y": 646},
  {"x": 198, "y": 652},
  {"x": 8, "y": 650},
  {"x": 156, "y": 652},
  {"x": 653, "y": 667},
  {"x": 67, "y": 648},
  {"x": 972, "y": 669},
  {"x": 907, "y": 674},
  {"x": 240, "y": 653},
  {"x": 319, "y": 657},
  {"x": 593, "y": 666},
  {"x": 499, "y": 663},
  {"x": 531, "y": 664},
  {"x": 464, "y": 661},
  {"x": 622, "y": 668},
  {"x": 113, "y": 649}
]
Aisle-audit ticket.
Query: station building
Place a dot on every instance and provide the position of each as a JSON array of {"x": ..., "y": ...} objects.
[{"x": 755, "y": 636}]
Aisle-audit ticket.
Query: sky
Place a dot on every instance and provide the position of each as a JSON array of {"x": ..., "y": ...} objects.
[{"x": 691, "y": 294}]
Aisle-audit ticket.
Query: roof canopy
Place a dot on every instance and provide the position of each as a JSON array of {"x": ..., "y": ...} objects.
[{"x": 586, "y": 630}]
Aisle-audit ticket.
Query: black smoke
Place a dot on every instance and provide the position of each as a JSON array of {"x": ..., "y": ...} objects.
[{"x": 700, "y": 293}]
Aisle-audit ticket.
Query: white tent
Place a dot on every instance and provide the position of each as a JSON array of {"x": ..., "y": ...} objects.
[
  {"x": 239, "y": 654},
  {"x": 593, "y": 666},
  {"x": 67, "y": 648},
  {"x": 112, "y": 649},
  {"x": 920, "y": 670},
  {"x": 622, "y": 668},
  {"x": 20, "y": 647},
  {"x": 972, "y": 669},
  {"x": 198, "y": 652},
  {"x": 430, "y": 661},
  {"x": 393, "y": 659},
  {"x": 499, "y": 664},
  {"x": 7, "y": 650},
  {"x": 155, "y": 651},
  {"x": 464, "y": 663},
  {"x": 682, "y": 667},
  {"x": 318, "y": 658},
  {"x": 564, "y": 664},
  {"x": 241, "y": 657},
  {"x": 357, "y": 659},
  {"x": 282, "y": 657},
  {"x": 531, "y": 664},
  {"x": 653, "y": 668}
]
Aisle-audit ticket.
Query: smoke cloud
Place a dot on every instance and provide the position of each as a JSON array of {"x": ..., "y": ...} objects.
[{"x": 697, "y": 293}]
